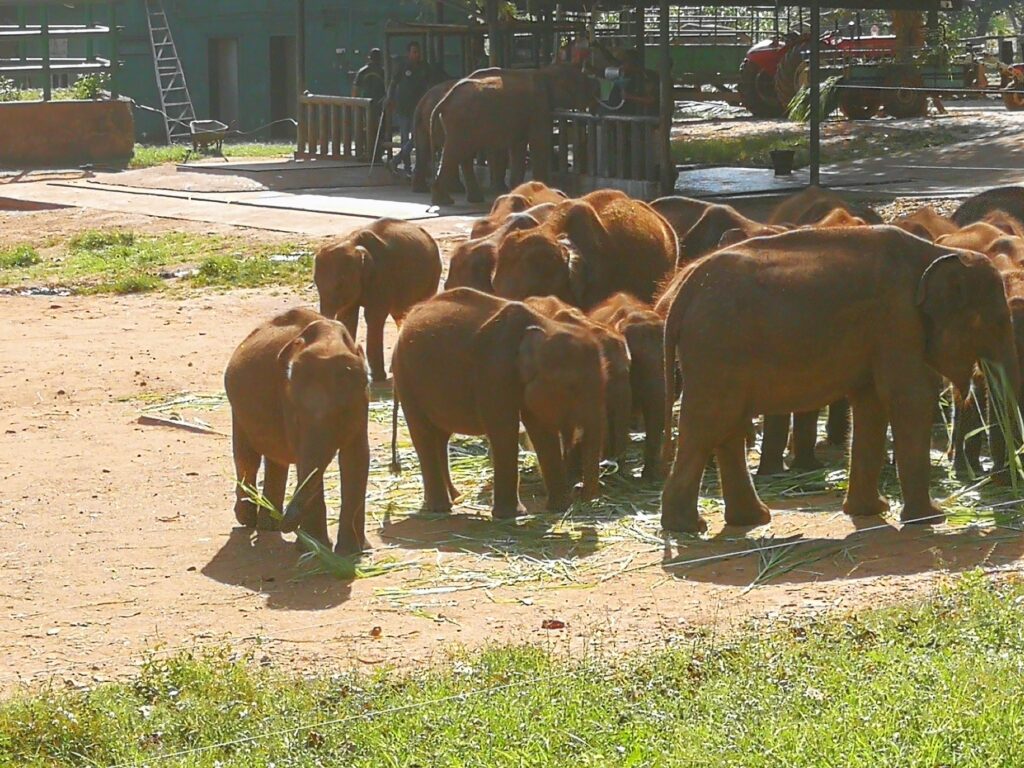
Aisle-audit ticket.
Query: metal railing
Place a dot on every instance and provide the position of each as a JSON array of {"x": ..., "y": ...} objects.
[{"x": 338, "y": 127}]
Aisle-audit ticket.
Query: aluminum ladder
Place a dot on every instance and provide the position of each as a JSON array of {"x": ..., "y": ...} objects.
[{"x": 175, "y": 101}]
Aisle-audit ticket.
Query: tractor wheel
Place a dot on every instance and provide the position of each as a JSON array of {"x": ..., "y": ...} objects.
[
  {"x": 757, "y": 91},
  {"x": 904, "y": 104},
  {"x": 1015, "y": 101},
  {"x": 791, "y": 75},
  {"x": 859, "y": 105}
]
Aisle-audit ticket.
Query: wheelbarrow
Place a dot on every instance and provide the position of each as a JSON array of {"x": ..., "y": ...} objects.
[{"x": 207, "y": 134}]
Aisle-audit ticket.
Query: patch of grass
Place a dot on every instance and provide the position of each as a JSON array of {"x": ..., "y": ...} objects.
[
  {"x": 936, "y": 683},
  {"x": 147, "y": 156},
  {"x": 117, "y": 261},
  {"x": 19, "y": 257}
]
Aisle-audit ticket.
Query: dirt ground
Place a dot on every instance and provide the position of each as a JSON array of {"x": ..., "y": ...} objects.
[{"x": 119, "y": 538}]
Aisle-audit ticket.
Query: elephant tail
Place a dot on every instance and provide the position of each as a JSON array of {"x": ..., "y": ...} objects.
[
  {"x": 436, "y": 130},
  {"x": 668, "y": 449},
  {"x": 396, "y": 464}
]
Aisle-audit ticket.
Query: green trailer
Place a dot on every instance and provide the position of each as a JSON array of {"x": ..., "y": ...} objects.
[{"x": 706, "y": 70}]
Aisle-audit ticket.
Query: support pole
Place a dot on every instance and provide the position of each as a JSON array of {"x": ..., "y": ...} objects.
[
  {"x": 300, "y": 47},
  {"x": 44, "y": 42},
  {"x": 815, "y": 83},
  {"x": 115, "y": 50},
  {"x": 668, "y": 180},
  {"x": 639, "y": 31},
  {"x": 491, "y": 16}
]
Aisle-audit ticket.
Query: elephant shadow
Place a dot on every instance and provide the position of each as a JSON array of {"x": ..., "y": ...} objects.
[
  {"x": 876, "y": 548},
  {"x": 268, "y": 564}
]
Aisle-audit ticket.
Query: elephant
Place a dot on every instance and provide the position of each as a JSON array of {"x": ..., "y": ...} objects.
[
  {"x": 813, "y": 204},
  {"x": 583, "y": 254},
  {"x": 615, "y": 356},
  {"x": 979, "y": 236},
  {"x": 298, "y": 395},
  {"x": 422, "y": 171},
  {"x": 1006, "y": 222},
  {"x": 469, "y": 363},
  {"x": 384, "y": 268},
  {"x": 837, "y": 218},
  {"x": 719, "y": 226},
  {"x": 797, "y": 320},
  {"x": 503, "y": 110},
  {"x": 1009, "y": 200},
  {"x": 472, "y": 261},
  {"x": 529, "y": 194},
  {"x": 680, "y": 212},
  {"x": 926, "y": 223},
  {"x": 644, "y": 331}
]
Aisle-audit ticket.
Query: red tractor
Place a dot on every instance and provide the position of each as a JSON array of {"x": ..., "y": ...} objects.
[{"x": 774, "y": 70}]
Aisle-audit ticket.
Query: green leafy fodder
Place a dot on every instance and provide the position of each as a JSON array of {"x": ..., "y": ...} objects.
[{"x": 934, "y": 683}]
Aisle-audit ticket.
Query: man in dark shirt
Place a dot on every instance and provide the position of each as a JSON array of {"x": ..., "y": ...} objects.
[
  {"x": 636, "y": 92},
  {"x": 369, "y": 83},
  {"x": 411, "y": 80}
]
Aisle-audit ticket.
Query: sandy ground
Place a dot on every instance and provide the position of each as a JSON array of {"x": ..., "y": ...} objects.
[{"x": 117, "y": 538}]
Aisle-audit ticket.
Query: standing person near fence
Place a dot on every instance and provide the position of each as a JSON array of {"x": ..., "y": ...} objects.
[
  {"x": 370, "y": 83},
  {"x": 411, "y": 80}
]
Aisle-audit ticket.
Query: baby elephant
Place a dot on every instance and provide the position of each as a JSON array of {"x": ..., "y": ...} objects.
[
  {"x": 385, "y": 268},
  {"x": 473, "y": 364},
  {"x": 297, "y": 388}
]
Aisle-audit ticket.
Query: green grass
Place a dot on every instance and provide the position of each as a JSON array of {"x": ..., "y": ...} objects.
[
  {"x": 115, "y": 261},
  {"x": 930, "y": 684},
  {"x": 147, "y": 156}
]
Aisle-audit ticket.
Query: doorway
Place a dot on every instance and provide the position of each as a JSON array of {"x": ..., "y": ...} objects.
[
  {"x": 223, "y": 64},
  {"x": 282, "y": 85}
]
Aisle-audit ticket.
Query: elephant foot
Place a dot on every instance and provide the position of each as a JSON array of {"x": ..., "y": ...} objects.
[
  {"x": 266, "y": 522},
  {"x": 245, "y": 513},
  {"x": 866, "y": 507},
  {"x": 441, "y": 198},
  {"x": 436, "y": 508},
  {"x": 806, "y": 463},
  {"x": 348, "y": 547},
  {"x": 558, "y": 503},
  {"x": 507, "y": 511},
  {"x": 747, "y": 515},
  {"x": 652, "y": 471},
  {"x": 420, "y": 187},
  {"x": 922, "y": 514},
  {"x": 683, "y": 523},
  {"x": 770, "y": 467}
]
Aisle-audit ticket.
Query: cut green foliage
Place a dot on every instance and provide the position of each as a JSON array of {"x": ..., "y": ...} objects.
[
  {"x": 1006, "y": 414},
  {"x": 799, "y": 108},
  {"x": 929, "y": 684},
  {"x": 19, "y": 257},
  {"x": 147, "y": 156},
  {"x": 117, "y": 261}
]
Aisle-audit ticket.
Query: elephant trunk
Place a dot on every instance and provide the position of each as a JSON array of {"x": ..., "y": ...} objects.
[
  {"x": 591, "y": 445},
  {"x": 620, "y": 415},
  {"x": 311, "y": 464}
]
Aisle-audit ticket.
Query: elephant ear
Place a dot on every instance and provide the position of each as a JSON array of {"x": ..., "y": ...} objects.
[
  {"x": 529, "y": 364},
  {"x": 520, "y": 221},
  {"x": 310, "y": 334},
  {"x": 942, "y": 284},
  {"x": 515, "y": 203},
  {"x": 497, "y": 345},
  {"x": 588, "y": 241}
]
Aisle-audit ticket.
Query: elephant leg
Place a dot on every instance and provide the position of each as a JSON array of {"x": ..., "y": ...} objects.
[
  {"x": 430, "y": 444},
  {"x": 548, "y": 445},
  {"x": 354, "y": 465},
  {"x": 805, "y": 436},
  {"x": 867, "y": 456},
  {"x": 314, "y": 520},
  {"x": 247, "y": 465},
  {"x": 966, "y": 446},
  {"x": 504, "y": 439},
  {"x": 698, "y": 436},
  {"x": 447, "y": 176},
  {"x": 442, "y": 459},
  {"x": 911, "y": 434},
  {"x": 275, "y": 479},
  {"x": 571, "y": 456},
  {"x": 517, "y": 158},
  {"x": 497, "y": 165},
  {"x": 837, "y": 428},
  {"x": 350, "y": 319},
  {"x": 473, "y": 193},
  {"x": 742, "y": 505},
  {"x": 773, "y": 445},
  {"x": 653, "y": 409},
  {"x": 375, "y": 320}
]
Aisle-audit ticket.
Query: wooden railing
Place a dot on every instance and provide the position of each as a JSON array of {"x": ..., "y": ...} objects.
[
  {"x": 339, "y": 127},
  {"x": 592, "y": 151}
]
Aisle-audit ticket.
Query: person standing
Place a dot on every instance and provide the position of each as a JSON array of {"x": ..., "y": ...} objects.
[
  {"x": 411, "y": 80},
  {"x": 370, "y": 83}
]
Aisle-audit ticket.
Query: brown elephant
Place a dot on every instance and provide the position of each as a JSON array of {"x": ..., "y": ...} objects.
[
  {"x": 473, "y": 364},
  {"x": 1009, "y": 200},
  {"x": 528, "y": 195},
  {"x": 422, "y": 170},
  {"x": 978, "y": 236},
  {"x": 472, "y": 261},
  {"x": 811, "y": 205},
  {"x": 583, "y": 255},
  {"x": 926, "y": 223},
  {"x": 297, "y": 389},
  {"x": 504, "y": 110},
  {"x": 615, "y": 355},
  {"x": 680, "y": 212},
  {"x": 644, "y": 331},
  {"x": 798, "y": 320},
  {"x": 384, "y": 268},
  {"x": 719, "y": 226}
]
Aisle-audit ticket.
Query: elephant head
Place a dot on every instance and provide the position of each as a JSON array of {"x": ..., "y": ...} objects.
[
  {"x": 567, "y": 86},
  {"x": 343, "y": 270},
  {"x": 963, "y": 301},
  {"x": 325, "y": 402},
  {"x": 618, "y": 393}
]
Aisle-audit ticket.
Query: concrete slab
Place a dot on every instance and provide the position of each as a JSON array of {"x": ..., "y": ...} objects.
[
  {"x": 298, "y": 174},
  {"x": 727, "y": 182}
]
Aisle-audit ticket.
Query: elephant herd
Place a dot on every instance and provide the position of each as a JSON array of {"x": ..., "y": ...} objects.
[{"x": 573, "y": 318}]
